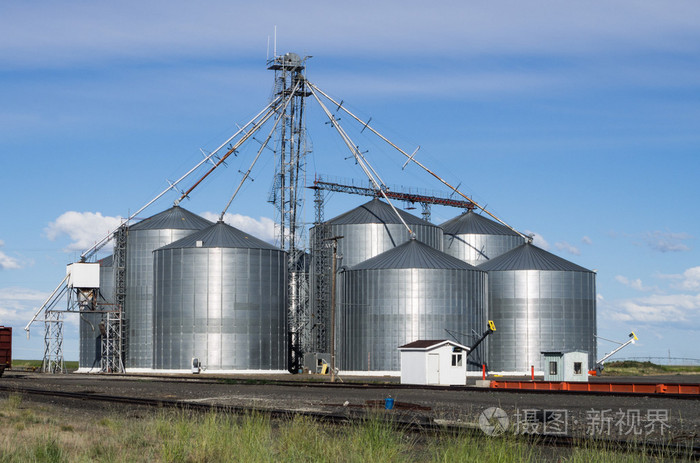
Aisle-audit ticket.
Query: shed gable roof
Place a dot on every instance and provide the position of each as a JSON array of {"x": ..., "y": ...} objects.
[{"x": 430, "y": 344}]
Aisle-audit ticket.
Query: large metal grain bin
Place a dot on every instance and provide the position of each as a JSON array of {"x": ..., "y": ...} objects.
[
  {"x": 367, "y": 230},
  {"x": 409, "y": 293},
  {"x": 373, "y": 228},
  {"x": 90, "y": 340},
  {"x": 539, "y": 302},
  {"x": 474, "y": 238},
  {"x": 143, "y": 238},
  {"x": 220, "y": 296}
]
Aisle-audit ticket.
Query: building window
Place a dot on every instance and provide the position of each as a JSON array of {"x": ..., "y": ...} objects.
[
  {"x": 456, "y": 360},
  {"x": 577, "y": 368},
  {"x": 552, "y": 368}
]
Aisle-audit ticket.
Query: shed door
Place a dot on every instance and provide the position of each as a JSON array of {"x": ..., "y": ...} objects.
[{"x": 433, "y": 368}]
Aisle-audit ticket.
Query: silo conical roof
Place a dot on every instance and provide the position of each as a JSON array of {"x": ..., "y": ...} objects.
[
  {"x": 529, "y": 257},
  {"x": 176, "y": 218},
  {"x": 471, "y": 223},
  {"x": 413, "y": 254},
  {"x": 376, "y": 211},
  {"x": 220, "y": 235}
]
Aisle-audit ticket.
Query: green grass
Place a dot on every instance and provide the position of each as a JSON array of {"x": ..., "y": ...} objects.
[
  {"x": 50, "y": 435},
  {"x": 634, "y": 368},
  {"x": 20, "y": 364}
]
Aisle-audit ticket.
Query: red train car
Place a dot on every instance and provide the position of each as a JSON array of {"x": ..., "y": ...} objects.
[{"x": 5, "y": 348}]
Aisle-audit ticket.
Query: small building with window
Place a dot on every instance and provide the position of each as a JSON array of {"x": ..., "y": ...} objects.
[
  {"x": 566, "y": 366},
  {"x": 434, "y": 362}
]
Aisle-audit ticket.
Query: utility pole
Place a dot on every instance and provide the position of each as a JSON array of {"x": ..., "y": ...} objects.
[{"x": 333, "y": 269}]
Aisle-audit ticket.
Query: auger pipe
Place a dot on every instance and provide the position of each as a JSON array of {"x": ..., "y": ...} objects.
[
  {"x": 483, "y": 336},
  {"x": 411, "y": 158},
  {"x": 49, "y": 302},
  {"x": 632, "y": 337}
]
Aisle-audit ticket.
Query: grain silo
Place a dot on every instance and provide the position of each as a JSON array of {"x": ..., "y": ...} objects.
[
  {"x": 539, "y": 302},
  {"x": 474, "y": 238},
  {"x": 220, "y": 296},
  {"x": 90, "y": 339},
  {"x": 409, "y": 293},
  {"x": 373, "y": 228},
  {"x": 367, "y": 230},
  {"x": 143, "y": 238}
]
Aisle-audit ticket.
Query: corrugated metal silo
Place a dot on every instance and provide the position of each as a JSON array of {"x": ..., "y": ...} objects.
[
  {"x": 143, "y": 238},
  {"x": 367, "y": 230},
  {"x": 409, "y": 293},
  {"x": 474, "y": 238},
  {"x": 373, "y": 228},
  {"x": 90, "y": 340},
  {"x": 539, "y": 302},
  {"x": 220, "y": 295}
]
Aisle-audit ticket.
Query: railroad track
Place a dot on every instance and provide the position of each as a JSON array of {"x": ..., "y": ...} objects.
[
  {"x": 405, "y": 421},
  {"x": 380, "y": 386}
]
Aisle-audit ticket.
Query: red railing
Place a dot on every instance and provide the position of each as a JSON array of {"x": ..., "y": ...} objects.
[{"x": 629, "y": 388}]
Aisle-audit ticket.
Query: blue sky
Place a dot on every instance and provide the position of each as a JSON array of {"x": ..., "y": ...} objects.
[{"x": 578, "y": 122}]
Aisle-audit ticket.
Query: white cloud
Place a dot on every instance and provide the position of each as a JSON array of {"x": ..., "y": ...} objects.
[
  {"x": 95, "y": 30},
  {"x": 687, "y": 281},
  {"x": 668, "y": 276},
  {"x": 538, "y": 240},
  {"x": 586, "y": 240},
  {"x": 262, "y": 228},
  {"x": 640, "y": 312},
  {"x": 634, "y": 284},
  {"x": 667, "y": 241},
  {"x": 660, "y": 308},
  {"x": 7, "y": 262},
  {"x": 474, "y": 83},
  {"x": 17, "y": 305},
  {"x": 565, "y": 246},
  {"x": 83, "y": 228},
  {"x": 691, "y": 279}
]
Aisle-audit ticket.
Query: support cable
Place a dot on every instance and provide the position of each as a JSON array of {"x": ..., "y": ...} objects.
[
  {"x": 412, "y": 158},
  {"x": 360, "y": 158},
  {"x": 90, "y": 252},
  {"x": 50, "y": 302},
  {"x": 263, "y": 145},
  {"x": 233, "y": 149}
]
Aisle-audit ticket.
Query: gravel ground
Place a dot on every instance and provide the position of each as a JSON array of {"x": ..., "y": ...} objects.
[{"x": 640, "y": 418}]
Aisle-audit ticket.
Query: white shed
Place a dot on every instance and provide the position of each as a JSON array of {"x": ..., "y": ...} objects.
[{"x": 439, "y": 362}]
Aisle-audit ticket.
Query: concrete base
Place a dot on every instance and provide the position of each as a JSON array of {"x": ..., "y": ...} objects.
[{"x": 483, "y": 383}]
